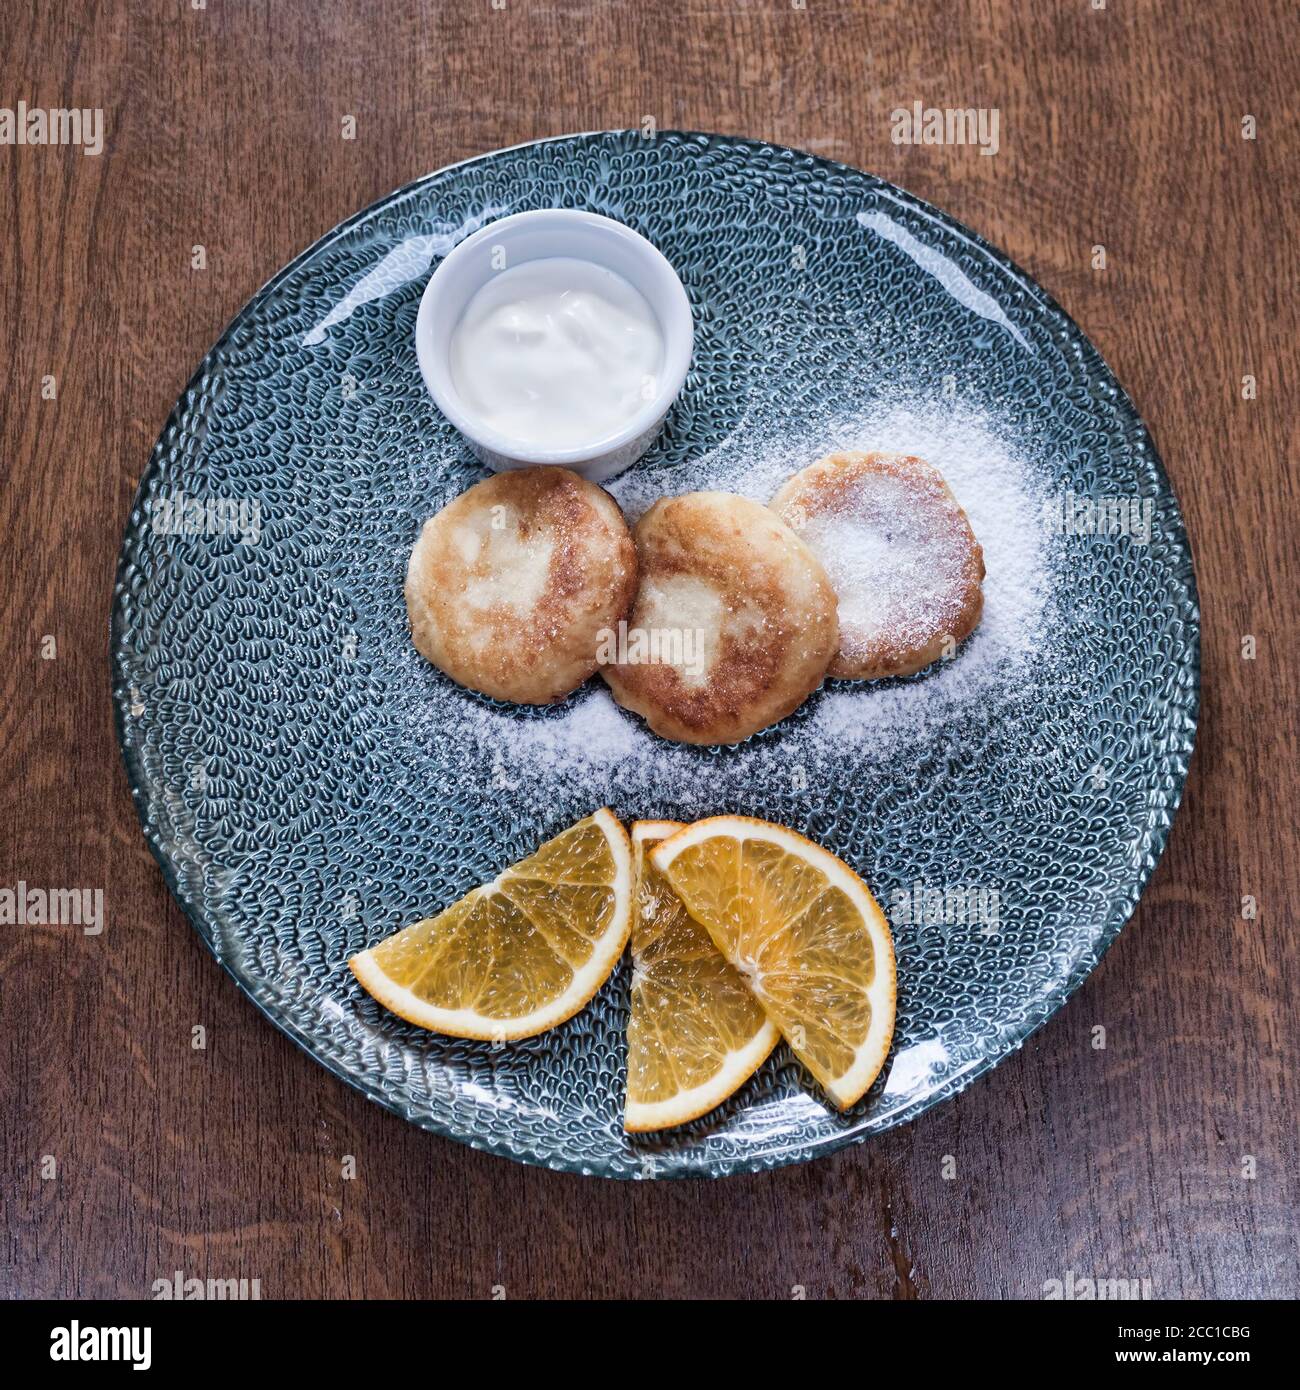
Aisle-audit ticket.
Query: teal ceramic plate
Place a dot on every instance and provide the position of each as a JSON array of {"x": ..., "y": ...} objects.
[{"x": 309, "y": 785}]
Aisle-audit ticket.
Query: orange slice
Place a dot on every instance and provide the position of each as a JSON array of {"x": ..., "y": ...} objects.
[
  {"x": 520, "y": 954},
  {"x": 695, "y": 1033},
  {"x": 803, "y": 931}
]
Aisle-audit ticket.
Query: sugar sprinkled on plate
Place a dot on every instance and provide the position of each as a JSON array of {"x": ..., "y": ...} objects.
[{"x": 1000, "y": 480}]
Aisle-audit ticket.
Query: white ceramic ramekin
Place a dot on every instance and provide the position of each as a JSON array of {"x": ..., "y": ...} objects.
[{"x": 530, "y": 236}]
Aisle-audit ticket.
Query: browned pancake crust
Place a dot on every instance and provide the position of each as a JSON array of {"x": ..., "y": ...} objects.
[
  {"x": 539, "y": 647},
  {"x": 826, "y": 488},
  {"x": 777, "y": 632}
]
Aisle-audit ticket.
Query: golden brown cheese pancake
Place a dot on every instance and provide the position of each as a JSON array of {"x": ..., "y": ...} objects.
[
  {"x": 510, "y": 586},
  {"x": 733, "y": 625},
  {"x": 899, "y": 551}
]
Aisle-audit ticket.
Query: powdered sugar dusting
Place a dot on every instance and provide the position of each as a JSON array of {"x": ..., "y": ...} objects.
[
  {"x": 896, "y": 550},
  {"x": 999, "y": 477}
]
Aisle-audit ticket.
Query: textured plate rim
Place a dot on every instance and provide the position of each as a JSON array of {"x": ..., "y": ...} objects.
[{"x": 661, "y": 1164}]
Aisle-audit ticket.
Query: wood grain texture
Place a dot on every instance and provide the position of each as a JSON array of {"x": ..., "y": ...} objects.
[{"x": 1120, "y": 127}]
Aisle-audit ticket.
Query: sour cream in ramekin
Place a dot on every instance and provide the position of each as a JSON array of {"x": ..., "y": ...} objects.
[
  {"x": 557, "y": 353},
  {"x": 555, "y": 337}
]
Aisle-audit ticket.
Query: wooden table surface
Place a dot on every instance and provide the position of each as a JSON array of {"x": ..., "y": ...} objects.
[{"x": 1169, "y": 1156}]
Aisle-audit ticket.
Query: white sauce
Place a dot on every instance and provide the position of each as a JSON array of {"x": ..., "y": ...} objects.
[{"x": 557, "y": 353}]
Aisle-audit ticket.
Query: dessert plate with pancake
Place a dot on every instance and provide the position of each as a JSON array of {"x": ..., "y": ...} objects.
[{"x": 655, "y": 657}]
